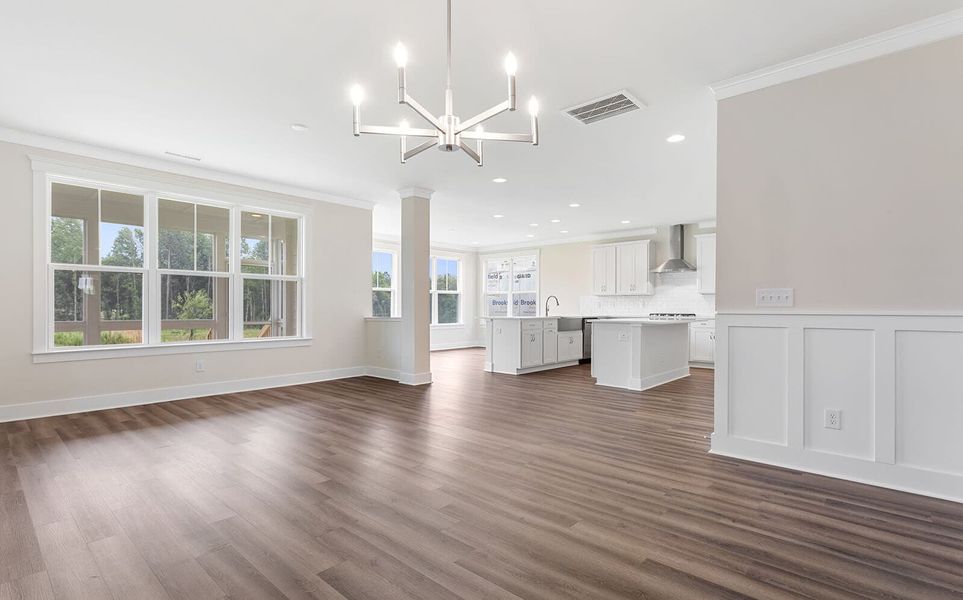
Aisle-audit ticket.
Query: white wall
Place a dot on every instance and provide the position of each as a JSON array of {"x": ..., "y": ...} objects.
[
  {"x": 338, "y": 279},
  {"x": 847, "y": 187}
]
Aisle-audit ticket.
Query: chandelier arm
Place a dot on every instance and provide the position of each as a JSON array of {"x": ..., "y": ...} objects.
[
  {"x": 484, "y": 116},
  {"x": 423, "y": 113},
  {"x": 406, "y": 154},
  {"x": 402, "y": 131},
  {"x": 474, "y": 155},
  {"x": 498, "y": 137}
]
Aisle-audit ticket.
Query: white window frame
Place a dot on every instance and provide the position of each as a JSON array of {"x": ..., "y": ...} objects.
[
  {"x": 395, "y": 297},
  {"x": 48, "y": 171},
  {"x": 434, "y": 292},
  {"x": 483, "y": 268}
]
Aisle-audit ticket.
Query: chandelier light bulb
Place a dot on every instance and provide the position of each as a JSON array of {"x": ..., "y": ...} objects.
[
  {"x": 403, "y": 124},
  {"x": 401, "y": 55},
  {"x": 511, "y": 64},
  {"x": 479, "y": 129},
  {"x": 357, "y": 95},
  {"x": 533, "y": 106}
]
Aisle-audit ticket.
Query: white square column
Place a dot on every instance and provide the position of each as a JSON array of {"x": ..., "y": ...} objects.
[{"x": 415, "y": 278}]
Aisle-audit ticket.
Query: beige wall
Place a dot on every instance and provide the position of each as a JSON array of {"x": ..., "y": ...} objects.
[
  {"x": 339, "y": 280},
  {"x": 847, "y": 186}
]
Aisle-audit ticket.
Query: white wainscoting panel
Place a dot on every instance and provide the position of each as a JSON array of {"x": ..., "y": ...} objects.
[
  {"x": 929, "y": 400},
  {"x": 896, "y": 378},
  {"x": 839, "y": 373},
  {"x": 759, "y": 384}
]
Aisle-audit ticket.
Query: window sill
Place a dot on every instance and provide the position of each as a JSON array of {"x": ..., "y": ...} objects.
[
  {"x": 382, "y": 318},
  {"x": 448, "y": 326},
  {"x": 128, "y": 351}
]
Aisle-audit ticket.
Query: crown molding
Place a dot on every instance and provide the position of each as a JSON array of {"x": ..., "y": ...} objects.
[
  {"x": 45, "y": 142},
  {"x": 390, "y": 239},
  {"x": 415, "y": 192},
  {"x": 920, "y": 33}
]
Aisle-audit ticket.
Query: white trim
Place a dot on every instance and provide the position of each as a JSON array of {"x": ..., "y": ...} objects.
[
  {"x": 383, "y": 373},
  {"x": 49, "y": 408},
  {"x": 707, "y": 224},
  {"x": 873, "y": 449},
  {"x": 456, "y": 345},
  {"x": 923, "y": 32},
  {"x": 414, "y": 378},
  {"x": 415, "y": 192},
  {"x": 25, "y": 138},
  {"x": 132, "y": 350}
]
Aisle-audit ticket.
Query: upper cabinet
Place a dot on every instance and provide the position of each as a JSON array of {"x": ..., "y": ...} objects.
[
  {"x": 706, "y": 263},
  {"x": 622, "y": 269},
  {"x": 603, "y": 270}
]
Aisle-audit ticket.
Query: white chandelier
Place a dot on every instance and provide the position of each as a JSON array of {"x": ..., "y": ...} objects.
[{"x": 449, "y": 131}]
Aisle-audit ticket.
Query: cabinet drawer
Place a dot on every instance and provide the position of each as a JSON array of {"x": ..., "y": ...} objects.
[
  {"x": 550, "y": 323},
  {"x": 531, "y": 324}
]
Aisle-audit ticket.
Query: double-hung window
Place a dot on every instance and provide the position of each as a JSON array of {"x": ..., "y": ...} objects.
[
  {"x": 384, "y": 292},
  {"x": 445, "y": 291},
  {"x": 134, "y": 266},
  {"x": 511, "y": 286}
]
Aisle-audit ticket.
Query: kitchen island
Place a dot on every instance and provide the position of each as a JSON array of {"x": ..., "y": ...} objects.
[{"x": 640, "y": 353}]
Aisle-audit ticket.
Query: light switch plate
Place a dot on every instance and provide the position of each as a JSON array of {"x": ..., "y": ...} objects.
[{"x": 782, "y": 297}]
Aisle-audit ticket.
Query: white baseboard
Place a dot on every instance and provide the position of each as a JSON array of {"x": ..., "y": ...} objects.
[
  {"x": 415, "y": 378},
  {"x": 382, "y": 373},
  {"x": 905, "y": 479},
  {"x": 456, "y": 346},
  {"x": 646, "y": 383},
  {"x": 66, "y": 406}
]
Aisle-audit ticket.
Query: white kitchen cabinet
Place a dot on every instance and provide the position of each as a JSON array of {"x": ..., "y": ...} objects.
[
  {"x": 520, "y": 345},
  {"x": 702, "y": 342},
  {"x": 604, "y": 270},
  {"x": 634, "y": 268},
  {"x": 623, "y": 269},
  {"x": 569, "y": 346},
  {"x": 532, "y": 348},
  {"x": 550, "y": 343},
  {"x": 706, "y": 263}
]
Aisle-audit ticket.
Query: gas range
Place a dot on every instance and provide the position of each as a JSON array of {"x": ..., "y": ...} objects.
[{"x": 671, "y": 316}]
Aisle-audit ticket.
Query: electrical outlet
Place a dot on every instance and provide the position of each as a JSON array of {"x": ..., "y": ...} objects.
[
  {"x": 774, "y": 297},
  {"x": 199, "y": 365},
  {"x": 833, "y": 418}
]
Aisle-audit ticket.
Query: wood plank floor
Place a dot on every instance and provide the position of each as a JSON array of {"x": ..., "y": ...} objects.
[{"x": 479, "y": 486}]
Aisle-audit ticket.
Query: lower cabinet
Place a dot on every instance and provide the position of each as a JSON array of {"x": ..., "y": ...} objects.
[
  {"x": 549, "y": 345},
  {"x": 702, "y": 342},
  {"x": 532, "y": 348},
  {"x": 569, "y": 346}
]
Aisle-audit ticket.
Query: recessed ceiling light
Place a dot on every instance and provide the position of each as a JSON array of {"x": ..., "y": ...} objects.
[
  {"x": 474, "y": 243},
  {"x": 574, "y": 205},
  {"x": 530, "y": 235},
  {"x": 625, "y": 221},
  {"x": 533, "y": 224},
  {"x": 675, "y": 138},
  {"x": 499, "y": 180},
  {"x": 564, "y": 231},
  {"x": 299, "y": 127},
  {"x": 555, "y": 221},
  {"x": 497, "y": 216}
]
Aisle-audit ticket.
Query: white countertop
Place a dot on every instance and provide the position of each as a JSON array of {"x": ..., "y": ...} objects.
[
  {"x": 518, "y": 318},
  {"x": 647, "y": 321}
]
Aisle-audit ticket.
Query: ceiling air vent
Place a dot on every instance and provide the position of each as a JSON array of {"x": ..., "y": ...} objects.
[{"x": 607, "y": 106}]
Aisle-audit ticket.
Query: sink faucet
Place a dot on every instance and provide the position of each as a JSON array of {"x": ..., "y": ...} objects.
[{"x": 546, "y": 303}]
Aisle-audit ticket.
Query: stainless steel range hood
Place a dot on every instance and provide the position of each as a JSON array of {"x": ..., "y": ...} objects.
[{"x": 675, "y": 264}]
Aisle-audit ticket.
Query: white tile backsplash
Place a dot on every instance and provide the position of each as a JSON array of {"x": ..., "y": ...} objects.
[{"x": 674, "y": 292}]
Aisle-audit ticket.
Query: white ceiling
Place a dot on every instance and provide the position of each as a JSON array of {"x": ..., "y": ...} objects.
[{"x": 224, "y": 79}]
